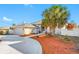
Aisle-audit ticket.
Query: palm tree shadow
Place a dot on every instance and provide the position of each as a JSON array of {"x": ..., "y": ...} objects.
[{"x": 17, "y": 46}]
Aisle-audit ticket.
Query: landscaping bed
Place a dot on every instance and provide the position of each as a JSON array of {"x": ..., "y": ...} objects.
[{"x": 56, "y": 45}]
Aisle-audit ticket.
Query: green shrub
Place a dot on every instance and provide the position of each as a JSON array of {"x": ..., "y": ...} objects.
[{"x": 66, "y": 39}]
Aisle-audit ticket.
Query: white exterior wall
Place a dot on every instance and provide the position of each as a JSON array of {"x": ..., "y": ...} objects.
[
  {"x": 74, "y": 32},
  {"x": 23, "y": 31},
  {"x": 11, "y": 32},
  {"x": 18, "y": 31},
  {"x": 28, "y": 30}
]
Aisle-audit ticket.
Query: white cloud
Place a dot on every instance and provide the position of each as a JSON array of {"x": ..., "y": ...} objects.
[
  {"x": 30, "y": 5},
  {"x": 6, "y": 19},
  {"x": 26, "y": 4}
]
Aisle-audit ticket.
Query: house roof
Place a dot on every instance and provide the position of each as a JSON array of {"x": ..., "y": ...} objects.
[
  {"x": 38, "y": 22},
  {"x": 24, "y": 25},
  {"x": 1, "y": 28}
]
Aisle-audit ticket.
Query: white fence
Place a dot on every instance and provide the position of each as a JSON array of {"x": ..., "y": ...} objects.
[{"x": 74, "y": 32}]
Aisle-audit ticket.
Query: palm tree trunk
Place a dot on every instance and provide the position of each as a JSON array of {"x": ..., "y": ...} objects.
[
  {"x": 48, "y": 30},
  {"x": 60, "y": 31},
  {"x": 52, "y": 31}
]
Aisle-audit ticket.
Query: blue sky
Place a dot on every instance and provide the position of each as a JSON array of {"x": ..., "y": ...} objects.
[{"x": 28, "y": 13}]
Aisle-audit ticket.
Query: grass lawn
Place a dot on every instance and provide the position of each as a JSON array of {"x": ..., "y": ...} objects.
[{"x": 56, "y": 44}]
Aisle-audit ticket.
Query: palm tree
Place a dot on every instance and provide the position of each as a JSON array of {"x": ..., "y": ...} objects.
[
  {"x": 63, "y": 15},
  {"x": 46, "y": 21},
  {"x": 13, "y": 24},
  {"x": 55, "y": 16}
]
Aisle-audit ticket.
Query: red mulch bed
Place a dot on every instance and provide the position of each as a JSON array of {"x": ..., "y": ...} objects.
[{"x": 54, "y": 45}]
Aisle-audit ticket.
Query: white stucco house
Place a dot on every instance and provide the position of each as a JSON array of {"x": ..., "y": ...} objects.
[
  {"x": 26, "y": 28},
  {"x": 22, "y": 29},
  {"x": 4, "y": 30},
  {"x": 73, "y": 32},
  {"x": 37, "y": 25}
]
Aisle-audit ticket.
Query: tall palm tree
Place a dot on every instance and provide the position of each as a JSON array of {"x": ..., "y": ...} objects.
[{"x": 55, "y": 16}]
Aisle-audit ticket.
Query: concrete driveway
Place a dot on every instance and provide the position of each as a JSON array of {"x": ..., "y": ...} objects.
[{"x": 12, "y": 44}]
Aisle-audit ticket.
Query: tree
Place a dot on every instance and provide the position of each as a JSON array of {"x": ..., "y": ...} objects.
[
  {"x": 13, "y": 24},
  {"x": 55, "y": 16}
]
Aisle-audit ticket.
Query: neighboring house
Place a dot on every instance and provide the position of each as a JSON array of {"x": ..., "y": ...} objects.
[
  {"x": 38, "y": 28},
  {"x": 26, "y": 28},
  {"x": 22, "y": 29},
  {"x": 4, "y": 30},
  {"x": 37, "y": 22},
  {"x": 72, "y": 31}
]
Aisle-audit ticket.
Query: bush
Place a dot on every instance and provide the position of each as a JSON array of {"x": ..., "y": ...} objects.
[
  {"x": 66, "y": 39},
  {"x": 1, "y": 33}
]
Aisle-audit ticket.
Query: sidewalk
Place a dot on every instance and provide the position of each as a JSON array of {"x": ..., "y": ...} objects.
[{"x": 5, "y": 49}]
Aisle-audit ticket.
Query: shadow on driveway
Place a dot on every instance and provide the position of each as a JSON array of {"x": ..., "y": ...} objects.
[{"x": 29, "y": 46}]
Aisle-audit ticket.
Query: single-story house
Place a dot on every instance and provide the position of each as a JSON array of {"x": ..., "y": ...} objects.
[
  {"x": 72, "y": 31},
  {"x": 26, "y": 28},
  {"x": 4, "y": 30},
  {"x": 37, "y": 25},
  {"x": 22, "y": 29}
]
